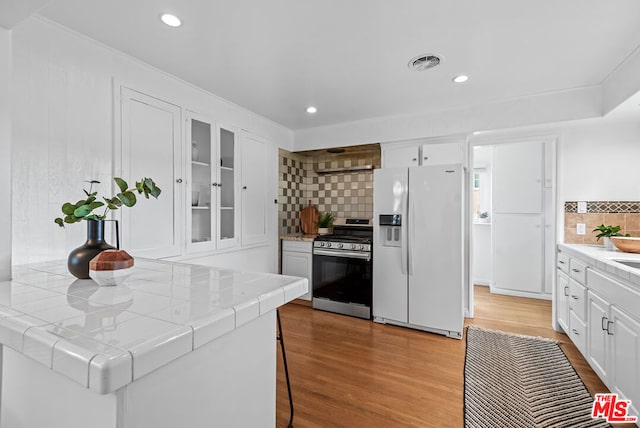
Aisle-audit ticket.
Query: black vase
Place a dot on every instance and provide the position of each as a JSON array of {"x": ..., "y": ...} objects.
[{"x": 78, "y": 262}]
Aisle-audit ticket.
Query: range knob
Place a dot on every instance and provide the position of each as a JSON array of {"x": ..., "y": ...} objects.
[
  {"x": 340, "y": 245},
  {"x": 328, "y": 244},
  {"x": 360, "y": 247},
  {"x": 353, "y": 246},
  {"x": 322, "y": 244}
]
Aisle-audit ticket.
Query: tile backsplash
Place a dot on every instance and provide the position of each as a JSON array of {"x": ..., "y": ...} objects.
[
  {"x": 347, "y": 194},
  {"x": 625, "y": 214}
]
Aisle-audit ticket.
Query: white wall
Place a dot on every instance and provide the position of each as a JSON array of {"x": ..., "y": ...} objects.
[
  {"x": 600, "y": 161},
  {"x": 5, "y": 154},
  {"x": 63, "y": 132}
]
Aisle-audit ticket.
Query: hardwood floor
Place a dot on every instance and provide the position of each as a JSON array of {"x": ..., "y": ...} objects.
[{"x": 348, "y": 372}]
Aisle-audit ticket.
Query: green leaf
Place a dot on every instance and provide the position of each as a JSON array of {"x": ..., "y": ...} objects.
[
  {"x": 92, "y": 217},
  {"x": 59, "y": 222},
  {"x": 92, "y": 181},
  {"x": 80, "y": 203},
  {"x": 82, "y": 211},
  {"x": 71, "y": 219},
  {"x": 94, "y": 205},
  {"x": 85, "y": 192},
  {"x": 112, "y": 206},
  {"x": 90, "y": 199},
  {"x": 139, "y": 186},
  {"x": 121, "y": 184},
  {"x": 68, "y": 208},
  {"x": 127, "y": 198}
]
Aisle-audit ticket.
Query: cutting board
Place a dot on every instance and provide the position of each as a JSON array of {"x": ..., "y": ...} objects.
[{"x": 309, "y": 219}]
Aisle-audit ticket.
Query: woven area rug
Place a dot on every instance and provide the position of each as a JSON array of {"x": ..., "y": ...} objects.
[{"x": 522, "y": 381}]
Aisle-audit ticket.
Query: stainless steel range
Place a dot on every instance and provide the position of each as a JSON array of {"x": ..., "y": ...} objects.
[{"x": 342, "y": 269}]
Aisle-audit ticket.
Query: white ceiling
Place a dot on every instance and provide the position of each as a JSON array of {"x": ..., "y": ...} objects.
[{"x": 349, "y": 58}]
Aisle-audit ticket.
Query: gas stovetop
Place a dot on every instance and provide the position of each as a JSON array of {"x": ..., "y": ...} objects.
[{"x": 348, "y": 235}]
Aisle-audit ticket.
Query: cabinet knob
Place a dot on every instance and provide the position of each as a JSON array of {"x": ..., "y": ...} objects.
[
  {"x": 575, "y": 332},
  {"x": 566, "y": 290},
  {"x": 244, "y": 187},
  {"x": 179, "y": 180},
  {"x": 609, "y": 332},
  {"x": 426, "y": 157}
]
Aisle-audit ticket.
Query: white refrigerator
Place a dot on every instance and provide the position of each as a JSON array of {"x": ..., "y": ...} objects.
[{"x": 419, "y": 248}]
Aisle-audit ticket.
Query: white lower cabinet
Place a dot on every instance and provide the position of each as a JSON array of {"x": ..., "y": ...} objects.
[
  {"x": 625, "y": 357},
  {"x": 297, "y": 260},
  {"x": 598, "y": 335},
  {"x": 562, "y": 300},
  {"x": 600, "y": 312}
]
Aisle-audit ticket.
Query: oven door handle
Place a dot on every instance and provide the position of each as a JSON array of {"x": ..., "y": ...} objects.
[{"x": 347, "y": 254}]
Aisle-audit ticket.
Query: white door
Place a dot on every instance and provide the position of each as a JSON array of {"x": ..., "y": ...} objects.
[
  {"x": 518, "y": 252},
  {"x": 254, "y": 190},
  {"x": 436, "y": 263},
  {"x": 400, "y": 157},
  {"x": 298, "y": 264},
  {"x": 598, "y": 337},
  {"x": 562, "y": 295},
  {"x": 441, "y": 154},
  {"x": 517, "y": 178},
  {"x": 151, "y": 147},
  {"x": 625, "y": 354},
  {"x": 228, "y": 185},
  {"x": 390, "y": 293}
]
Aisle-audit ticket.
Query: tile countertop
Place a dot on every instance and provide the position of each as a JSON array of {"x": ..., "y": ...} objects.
[
  {"x": 93, "y": 335},
  {"x": 298, "y": 237},
  {"x": 605, "y": 260}
]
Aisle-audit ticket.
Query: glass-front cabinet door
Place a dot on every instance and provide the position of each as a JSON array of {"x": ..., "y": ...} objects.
[
  {"x": 212, "y": 212},
  {"x": 227, "y": 185},
  {"x": 201, "y": 198}
]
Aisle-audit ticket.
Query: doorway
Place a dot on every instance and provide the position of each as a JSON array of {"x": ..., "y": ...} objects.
[{"x": 513, "y": 217}]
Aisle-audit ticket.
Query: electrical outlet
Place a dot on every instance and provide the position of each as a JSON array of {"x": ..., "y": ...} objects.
[
  {"x": 581, "y": 229},
  {"x": 582, "y": 207}
]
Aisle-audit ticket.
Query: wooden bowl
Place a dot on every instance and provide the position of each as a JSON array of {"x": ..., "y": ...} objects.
[{"x": 626, "y": 244}]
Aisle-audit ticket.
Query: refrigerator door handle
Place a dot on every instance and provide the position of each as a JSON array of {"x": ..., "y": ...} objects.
[
  {"x": 408, "y": 231},
  {"x": 403, "y": 237}
]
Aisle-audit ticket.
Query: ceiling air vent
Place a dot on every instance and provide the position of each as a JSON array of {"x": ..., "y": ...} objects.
[{"x": 425, "y": 62}]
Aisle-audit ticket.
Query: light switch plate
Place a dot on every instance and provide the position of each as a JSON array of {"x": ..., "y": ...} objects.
[
  {"x": 582, "y": 207},
  {"x": 581, "y": 229}
]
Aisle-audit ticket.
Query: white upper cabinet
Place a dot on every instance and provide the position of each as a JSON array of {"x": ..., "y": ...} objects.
[
  {"x": 416, "y": 154},
  {"x": 228, "y": 188},
  {"x": 517, "y": 178},
  {"x": 441, "y": 154},
  {"x": 151, "y": 147},
  {"x": 213, "y": 185},
  {"x": 254, "y": 190},
  {"x": 400, "y": 157}
]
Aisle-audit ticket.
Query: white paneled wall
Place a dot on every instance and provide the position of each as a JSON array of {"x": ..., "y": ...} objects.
[
  {"x": 63, "y": 132},
  {"x": 5, "y": 154}
]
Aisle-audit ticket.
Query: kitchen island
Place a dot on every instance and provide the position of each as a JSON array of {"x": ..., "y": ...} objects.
[{"x": 176, "y": 345}]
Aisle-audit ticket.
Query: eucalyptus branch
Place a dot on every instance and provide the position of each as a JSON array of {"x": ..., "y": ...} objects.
[{"x": 84, "y": 208}]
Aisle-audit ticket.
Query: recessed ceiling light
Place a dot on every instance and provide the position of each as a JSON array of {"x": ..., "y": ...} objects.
[
  {"x": 171, "y": 20},
  {"x": 461, "y": 78},
  {"x": 311, "y": 109}
]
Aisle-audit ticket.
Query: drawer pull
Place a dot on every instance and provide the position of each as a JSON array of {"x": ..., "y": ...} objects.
[
  {"x": 566, "y": 290},
  {"x": 574, "y": 297},
  {"x": 604, "y": 323},
  {"x": 575, "y": 332},
  {"x": 561, "y": 262},
  {"x": 609, "y": 332},
  {"x": 576, "y": 270}
]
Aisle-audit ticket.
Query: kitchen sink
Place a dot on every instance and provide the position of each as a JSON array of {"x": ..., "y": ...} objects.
[{"x": 630, "y": 263}]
